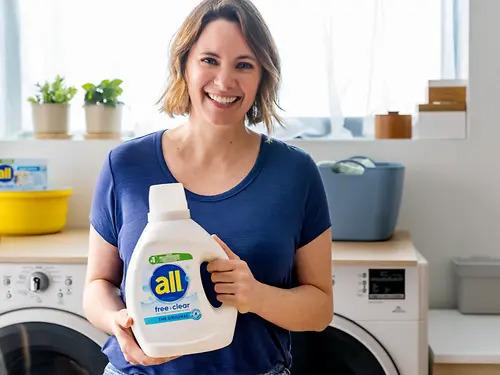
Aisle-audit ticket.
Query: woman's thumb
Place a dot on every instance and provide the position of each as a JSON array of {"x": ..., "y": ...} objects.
[{"x": 124, "y": 319}]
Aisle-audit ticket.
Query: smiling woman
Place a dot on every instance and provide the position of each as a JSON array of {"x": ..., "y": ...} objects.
[{"x": 262, "y": 200}]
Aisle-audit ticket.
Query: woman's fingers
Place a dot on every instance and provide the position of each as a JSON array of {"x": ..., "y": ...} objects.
[
  {"x": 131, "y": 350},
  {"x": 134, "y": 354},
  {"x": 225, "y": 288},
  {"x": 222, "y": 265},
  {"x": 222, "y": 277},
  {"x": 227, "y": 249},
  {"x": 123, "y": 319}
]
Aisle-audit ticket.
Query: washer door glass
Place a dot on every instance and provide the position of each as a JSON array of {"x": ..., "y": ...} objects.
[
  {"x": 48, "y": 349},
  {"x": 346, "y": 349}
]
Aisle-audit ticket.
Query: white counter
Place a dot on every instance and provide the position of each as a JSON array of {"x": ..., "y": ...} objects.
[
  {"x": 461, "y": 338},
  {"x": 71, "y": 246}
]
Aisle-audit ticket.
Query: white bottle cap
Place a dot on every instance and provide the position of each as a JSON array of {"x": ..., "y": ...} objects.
[{"x": 167, "y": 201}]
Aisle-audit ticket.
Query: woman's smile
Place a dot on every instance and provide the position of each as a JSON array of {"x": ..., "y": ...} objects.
[{"x": 222, "y": 102}]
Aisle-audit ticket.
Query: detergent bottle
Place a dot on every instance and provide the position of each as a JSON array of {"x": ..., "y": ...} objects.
[{"x": 164, "y": 293}]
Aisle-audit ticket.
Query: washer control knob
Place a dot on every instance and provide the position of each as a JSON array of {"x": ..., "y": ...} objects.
[{"x": 38, "y": 282}]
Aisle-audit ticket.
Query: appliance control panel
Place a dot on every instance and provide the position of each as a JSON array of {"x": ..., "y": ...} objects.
[
  {"x": 378, "y": 293},
  {"x": 57, "y": 286}
]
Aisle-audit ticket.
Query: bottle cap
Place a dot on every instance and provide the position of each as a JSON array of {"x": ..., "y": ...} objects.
[{"x": 165, "y": 198}]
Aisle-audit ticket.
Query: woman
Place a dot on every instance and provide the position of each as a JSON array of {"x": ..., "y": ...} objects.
[{"x": 262, "y": 199}]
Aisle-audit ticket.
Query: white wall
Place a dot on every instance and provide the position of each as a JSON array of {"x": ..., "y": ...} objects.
[{"x": 451, "y": 202}]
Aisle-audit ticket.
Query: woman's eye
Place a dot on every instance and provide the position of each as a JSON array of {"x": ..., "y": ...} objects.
[
  {"x": 244, "y": 65},
  {"x": 209, "y": 60}
]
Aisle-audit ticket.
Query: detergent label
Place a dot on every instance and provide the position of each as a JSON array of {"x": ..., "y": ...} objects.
[
  {"x": 6, "y": 173},
  {"x": 168, "y": 295},
  {"x": 169, "y": 283},
  {"x": 23, "y": 174}
]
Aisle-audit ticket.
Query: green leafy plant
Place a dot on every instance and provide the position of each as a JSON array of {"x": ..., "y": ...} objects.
[
  {"x": 55, "y": 92},
  {"x": 107, "y": 92}
]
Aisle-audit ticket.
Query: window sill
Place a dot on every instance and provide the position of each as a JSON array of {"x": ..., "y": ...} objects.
[
  {"x": 82, "y": 137},
  {"x": 74, "y": 137}
]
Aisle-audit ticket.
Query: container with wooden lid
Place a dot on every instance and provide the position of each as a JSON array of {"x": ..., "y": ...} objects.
[{"x": 392, "y": 125}]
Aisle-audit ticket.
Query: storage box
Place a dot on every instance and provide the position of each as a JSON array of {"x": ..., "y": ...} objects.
[
  {"x": 23, "y": 174},
  {"x": 478, "y": 285},
  {"x": 364, "y": 207},
  {"x": 455, "y": 94},
  {"x": 441, "y": 125}
]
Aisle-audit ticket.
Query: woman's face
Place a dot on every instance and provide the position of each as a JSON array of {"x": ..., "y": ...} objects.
[{"x": 222, "y": 75}]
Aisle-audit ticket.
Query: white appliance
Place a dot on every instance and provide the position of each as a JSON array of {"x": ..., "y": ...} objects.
[
  {"x": 379, "y": 326},
  {"x": 42, "y": 328}
]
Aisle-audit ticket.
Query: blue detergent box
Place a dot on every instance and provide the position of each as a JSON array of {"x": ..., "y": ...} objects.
[{"x": 23, "y": 174}]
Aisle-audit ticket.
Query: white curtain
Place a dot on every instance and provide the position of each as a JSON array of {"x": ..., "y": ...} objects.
[
  {"x": 340, "y": 58},
  {"x": 10, "y": 75},
  {"x": 454, "y": 39}
]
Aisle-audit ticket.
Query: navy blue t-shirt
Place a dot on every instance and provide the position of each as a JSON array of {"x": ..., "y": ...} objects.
[{"x": 277, "y": 208}]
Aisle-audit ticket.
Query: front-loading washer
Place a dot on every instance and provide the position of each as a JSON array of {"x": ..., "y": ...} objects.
[
  {"x": 42, "y": 326},
  {"x": 379, "y": 325}
]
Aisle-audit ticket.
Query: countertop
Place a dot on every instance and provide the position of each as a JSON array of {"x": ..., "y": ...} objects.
[
  {"x": 464, "y": 338},
  {"x": 71, "y": 246}
]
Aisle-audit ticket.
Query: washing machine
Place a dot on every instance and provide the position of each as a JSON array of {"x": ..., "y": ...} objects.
[
  {"x": 42, "y": 327},
  {"x": 379, "y": 325}
]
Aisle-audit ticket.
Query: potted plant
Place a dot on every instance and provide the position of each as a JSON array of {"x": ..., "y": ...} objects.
[
  {"x": 103, "y": 110},
  {"x": 50, "y": 108}
]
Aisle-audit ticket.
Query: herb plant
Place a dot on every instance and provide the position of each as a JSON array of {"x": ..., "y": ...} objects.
[
  {"x": 55, "y": 92},
  {"x": 106, "y": 93}
]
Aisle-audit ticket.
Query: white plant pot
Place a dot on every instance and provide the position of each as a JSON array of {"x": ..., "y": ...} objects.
[
  {"x": 50, "y": 118},
  {"x": 103, "y": 119}
]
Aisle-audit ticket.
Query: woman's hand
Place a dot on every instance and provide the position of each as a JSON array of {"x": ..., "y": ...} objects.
[
  {"x": 234, "y": 282},
  {"x": 131, "y": 351}
]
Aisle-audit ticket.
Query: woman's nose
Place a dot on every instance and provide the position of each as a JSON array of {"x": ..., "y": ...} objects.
[{"x": 224, "y": 80}]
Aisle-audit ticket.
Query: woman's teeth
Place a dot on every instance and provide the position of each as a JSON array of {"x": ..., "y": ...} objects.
[{"x": 223, "y": 99}]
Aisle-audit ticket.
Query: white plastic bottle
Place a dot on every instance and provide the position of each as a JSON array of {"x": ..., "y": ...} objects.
[{"x": 164, "y": 294}]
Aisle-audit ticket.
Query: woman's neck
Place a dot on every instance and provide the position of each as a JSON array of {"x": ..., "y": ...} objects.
[{"x": 212, "y": 143}]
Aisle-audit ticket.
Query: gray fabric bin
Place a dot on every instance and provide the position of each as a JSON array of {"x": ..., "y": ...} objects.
[
  {"x": 364, "y": 207},
  {"x": 478, "y": 285}
]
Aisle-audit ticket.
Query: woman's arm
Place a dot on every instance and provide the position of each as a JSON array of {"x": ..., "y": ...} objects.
[
  {"x": 101, "y": 296},
  {"x": 308, "y": 307},
  {"x": 102, "y": 303}
]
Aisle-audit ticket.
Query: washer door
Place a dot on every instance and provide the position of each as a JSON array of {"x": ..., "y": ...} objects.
[
  {"x": 49, "y": 342},
  {"x": 344, "y": 348}
]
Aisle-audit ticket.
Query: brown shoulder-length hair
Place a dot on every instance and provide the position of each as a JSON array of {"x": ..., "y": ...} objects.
[{"x": 175, "y": 99}]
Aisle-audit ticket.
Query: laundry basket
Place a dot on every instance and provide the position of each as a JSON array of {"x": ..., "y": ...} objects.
[{"x": 364, "y": 207}]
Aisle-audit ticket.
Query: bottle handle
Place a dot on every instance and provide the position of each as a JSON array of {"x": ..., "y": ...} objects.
[{"x": 212, "y": 253}]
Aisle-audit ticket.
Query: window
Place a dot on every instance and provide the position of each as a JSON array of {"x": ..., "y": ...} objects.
[{"x": 341, "y": 59}]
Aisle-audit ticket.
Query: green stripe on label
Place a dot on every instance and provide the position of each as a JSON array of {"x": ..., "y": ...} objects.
[{"x": 169, "y": 258}]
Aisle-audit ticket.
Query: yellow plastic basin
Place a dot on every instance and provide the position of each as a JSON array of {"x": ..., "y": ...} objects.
[{"x": 33, "y": 212}]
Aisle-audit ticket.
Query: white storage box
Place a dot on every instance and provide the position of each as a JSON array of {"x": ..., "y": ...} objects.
[
  {"x": 478, "y": 285},
  {"x": 441, "y": 125}
]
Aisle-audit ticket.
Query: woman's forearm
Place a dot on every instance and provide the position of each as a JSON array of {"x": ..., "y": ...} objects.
[
  {"x": 304, "y": 308},
  {"x": 100, "y": 299}
]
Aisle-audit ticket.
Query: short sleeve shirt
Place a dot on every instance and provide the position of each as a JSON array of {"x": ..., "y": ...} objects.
[{"x": 276, "y": 209}]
